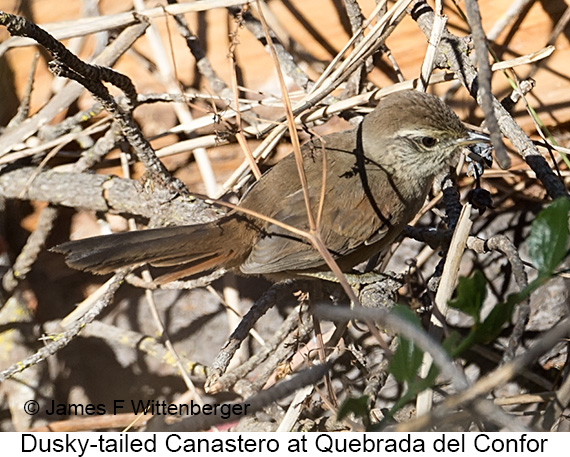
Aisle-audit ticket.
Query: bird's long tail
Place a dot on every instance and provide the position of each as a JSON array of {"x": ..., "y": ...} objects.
[{"x": 187, "y": 249}]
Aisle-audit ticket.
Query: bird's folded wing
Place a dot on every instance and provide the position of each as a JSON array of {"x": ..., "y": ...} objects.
[{"x": 344, "y": 230}]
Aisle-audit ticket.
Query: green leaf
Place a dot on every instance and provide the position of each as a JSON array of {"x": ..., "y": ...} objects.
[
  {"x": 451, "y": 343},
  {"x": 407, "y": 359},
  {"x": 548, "y": 239},
  {"x": 407, "y": 314},
  {"x": 491, "y": 327},
  {"x": 471, "y": 293},
  {"x": 357, "y": 406}
]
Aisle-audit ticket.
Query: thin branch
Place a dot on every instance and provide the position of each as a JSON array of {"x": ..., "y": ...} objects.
[
  {"x": 253, "y": 404},
  {"x": 492, "y": 380},
  {"x": 485, "y": 96},
  {"x": 453, "y": 55},
  {"x": 62, "y": 100},
  {"x": 58, "y": 342}
]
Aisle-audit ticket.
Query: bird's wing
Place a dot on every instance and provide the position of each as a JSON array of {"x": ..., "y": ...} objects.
[{"x": 349, "y": 221}]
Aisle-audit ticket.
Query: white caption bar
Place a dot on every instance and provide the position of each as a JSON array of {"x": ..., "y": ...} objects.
[{"x": 283, "y": 444}]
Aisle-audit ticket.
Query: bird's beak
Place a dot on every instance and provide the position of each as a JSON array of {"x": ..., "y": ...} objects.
[{"x": 473, "y": 138}]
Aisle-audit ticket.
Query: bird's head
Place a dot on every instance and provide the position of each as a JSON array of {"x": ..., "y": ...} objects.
[{"x": 415, "y": 132}]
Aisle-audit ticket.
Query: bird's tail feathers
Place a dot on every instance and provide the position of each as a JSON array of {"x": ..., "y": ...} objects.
[{"x": 197, "y": 248}]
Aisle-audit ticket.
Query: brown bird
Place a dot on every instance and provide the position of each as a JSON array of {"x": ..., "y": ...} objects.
[{"x": 377, "y": 179}]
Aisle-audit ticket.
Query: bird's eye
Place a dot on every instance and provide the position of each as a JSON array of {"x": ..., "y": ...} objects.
[{"x": 429, "y": 141}]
